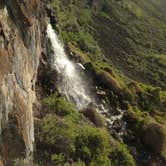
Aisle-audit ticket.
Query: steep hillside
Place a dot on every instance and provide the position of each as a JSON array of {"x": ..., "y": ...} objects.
[
  {"x": 116, "y": 56},
  {"x": 122, "y": 45},
  {"x": 129, "y": 33}
]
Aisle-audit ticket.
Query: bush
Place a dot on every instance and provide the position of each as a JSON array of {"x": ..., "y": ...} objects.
[
  {"x": 59, "y": 105},
  {"x": 58, "y": 159},
  {"x": 91, "y": 144},
  {"x": 94, "y": 117},
  {"x": 63, "y": 140},
  {"x": 108, "y": 81},
  {"x": 154, "y": 132},
  {"x": 120, "y": 156},
  {"x": 56, "y": 135}
]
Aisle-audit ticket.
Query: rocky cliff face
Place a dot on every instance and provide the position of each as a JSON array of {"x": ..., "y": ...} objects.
[{"x": 20, "y": 48}]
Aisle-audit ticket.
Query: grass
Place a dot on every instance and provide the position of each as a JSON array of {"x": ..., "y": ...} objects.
[
  {"x": 62, "y": 138},
  {"x": 123, "y": 41},
  {"x": 123, "y": 44},
  {"x": 130, "y": 33}
]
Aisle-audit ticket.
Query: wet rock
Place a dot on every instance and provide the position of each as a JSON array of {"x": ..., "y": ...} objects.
[
  {"x": 101, "y": 93},
  {"x": 51, "y": 14},
  {"x": 115, "y": 112},
  {"x": 46, "y": 83}
]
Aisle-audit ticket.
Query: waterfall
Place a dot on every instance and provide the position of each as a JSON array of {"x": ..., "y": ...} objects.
[
  {"x": 73, "y": 84},
  {"x": 71, "y": 79}
]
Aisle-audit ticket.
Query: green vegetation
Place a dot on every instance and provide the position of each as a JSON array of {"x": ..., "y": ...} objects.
[
  {"x": 94, "y": 117},
  {"x": 121, "y": 156},
  {"x": 130, "y": 33},
  {"x": 129, "y": 42},
  {"x": 122, "y": 45},
  {"x": 68, "y": 138},
  {"x": 153, "y": 132},
  {"x": 59, "y": 105}
]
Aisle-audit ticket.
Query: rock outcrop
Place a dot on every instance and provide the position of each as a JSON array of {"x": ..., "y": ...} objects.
[{"x": 20, "y": 50}]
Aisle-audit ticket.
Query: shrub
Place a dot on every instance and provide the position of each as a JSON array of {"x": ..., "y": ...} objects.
[
  {"x": 90, "y": 144},
  {"x": 94, "y": 117},
  {"x": 108, "y": 81},
  {"x": 58, "y": 159},
  {"x": 59, "y": 105},
  {"x": 121, "y": 156},
  {"x": 154, "y": 132},
  {"x": 156, "y": 95},
  {"x": 56, "y": 134},
  {"x": 63, "y": 140}
]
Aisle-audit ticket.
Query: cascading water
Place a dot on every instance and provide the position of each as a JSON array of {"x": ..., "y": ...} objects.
[{"x": 71, "y": 82}]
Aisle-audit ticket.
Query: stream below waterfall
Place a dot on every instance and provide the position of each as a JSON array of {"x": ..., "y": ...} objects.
[{"x": 72, "y": 82}]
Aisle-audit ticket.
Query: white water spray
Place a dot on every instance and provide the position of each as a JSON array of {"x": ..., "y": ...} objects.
[{"x": 71, "y": 82}]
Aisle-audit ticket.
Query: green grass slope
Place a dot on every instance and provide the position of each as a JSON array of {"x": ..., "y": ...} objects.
[
  {"x": 130, "y": 33},
  {"x": 122, "y": 44}
]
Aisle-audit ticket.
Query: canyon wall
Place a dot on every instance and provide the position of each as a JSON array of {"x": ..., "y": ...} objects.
[{"x": 20, "y": 49}]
